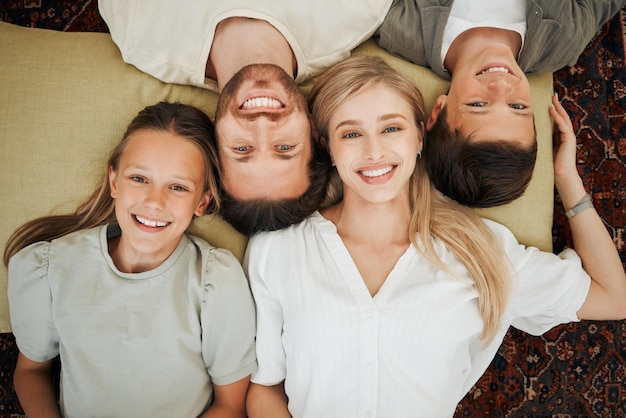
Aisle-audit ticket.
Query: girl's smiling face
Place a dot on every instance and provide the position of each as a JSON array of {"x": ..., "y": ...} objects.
[
  {"x": 158, "y": 187},
  {"x": 374, "y": 141}
]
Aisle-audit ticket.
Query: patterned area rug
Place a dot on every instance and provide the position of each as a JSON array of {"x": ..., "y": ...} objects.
[{"x": 576, "y": 370}]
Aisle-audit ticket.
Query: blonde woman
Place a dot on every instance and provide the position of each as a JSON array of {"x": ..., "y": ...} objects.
[{"x": 393, "y": 301}]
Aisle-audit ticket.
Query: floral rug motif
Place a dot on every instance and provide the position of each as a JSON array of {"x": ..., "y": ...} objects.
[{"x": 575, "y": 370}]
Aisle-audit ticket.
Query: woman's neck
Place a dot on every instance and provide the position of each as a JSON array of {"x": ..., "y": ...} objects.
[
  {"x": 379, "y": 224},
  {"x": 257, "y": 42},
  {"x": 375, "y": 236}
]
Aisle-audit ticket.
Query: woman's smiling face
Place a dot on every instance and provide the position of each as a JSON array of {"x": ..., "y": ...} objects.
[{"x": 374, "y": 141}]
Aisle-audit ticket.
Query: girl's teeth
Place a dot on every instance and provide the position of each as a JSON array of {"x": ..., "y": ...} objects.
[{"x": 152, "y": 224}]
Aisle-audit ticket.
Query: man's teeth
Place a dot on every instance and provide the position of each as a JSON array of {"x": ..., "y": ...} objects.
[
  {"x": 376, "y": 173},
  {"x": 147, "y": 222},
  {"x": 496, "y": 70},
  {"x": 266, "y": 102}
]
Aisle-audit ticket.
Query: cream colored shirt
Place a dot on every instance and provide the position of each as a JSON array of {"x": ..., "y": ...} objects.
[
  {"x": 171, "y": 40},
  {"x": 413, "y": 349}
]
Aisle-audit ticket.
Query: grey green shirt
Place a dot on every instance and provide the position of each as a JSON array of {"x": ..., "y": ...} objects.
[
  {"x": 557, "y": 31},
  {"x": 133, "y": 345}
]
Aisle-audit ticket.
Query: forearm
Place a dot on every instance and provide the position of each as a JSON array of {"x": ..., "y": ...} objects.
[
  {"x": 599, "y": 256},
  {"x": 229, "y": 401},
  {"x": 223, "y": 411},
  {"x": 606, "y": 298},
  {"x": 35, "y": 391},
  {"x": 267, "y": 401}
]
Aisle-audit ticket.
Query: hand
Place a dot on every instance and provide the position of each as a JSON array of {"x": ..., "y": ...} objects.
[{"x": 564, "y": 144}]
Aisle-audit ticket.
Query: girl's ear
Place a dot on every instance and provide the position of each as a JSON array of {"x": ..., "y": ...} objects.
[
  {"x": 204, "y": 203},
  {"x": 440, "y": 103},
  {"x": 113, "y": 182}
]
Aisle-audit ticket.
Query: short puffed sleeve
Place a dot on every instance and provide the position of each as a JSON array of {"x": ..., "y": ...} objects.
[
  {"x": 30, "y": 303},
  {"x": 228, "y": 318}
]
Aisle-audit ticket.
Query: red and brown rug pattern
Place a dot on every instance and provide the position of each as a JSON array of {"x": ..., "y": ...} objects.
[{"x": 575, "y": 370}]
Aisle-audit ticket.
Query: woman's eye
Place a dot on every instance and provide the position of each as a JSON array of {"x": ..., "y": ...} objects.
[
  {"x": 242, "y": 148},
  {"x": 392, "y": 129},
  {"x": 518, "y": 106},
  {"x": 138, "y": 179},
  {"x": 284, "y": 147},
  {"x": 477, "y": 104}
]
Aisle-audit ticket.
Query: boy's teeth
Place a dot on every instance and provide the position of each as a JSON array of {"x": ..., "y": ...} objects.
[
  {"x": 376, "y": 173},
  {"x": 496, "y": 69}
]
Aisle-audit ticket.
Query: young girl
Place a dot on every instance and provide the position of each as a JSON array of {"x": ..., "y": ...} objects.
[
  {"x": 148, "y": 321},
  {"x": 393, "y": 301}
]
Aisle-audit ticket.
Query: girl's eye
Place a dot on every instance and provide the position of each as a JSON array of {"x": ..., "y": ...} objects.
[
  {"x": 284, "y": 147},
  {"x": 351, "y": 135},
  {"x": 179, "y": 188},
  {"x": 518, "y": 106}
]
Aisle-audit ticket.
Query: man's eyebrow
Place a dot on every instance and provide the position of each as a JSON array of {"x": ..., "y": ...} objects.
[
  {"x": 281, "y": 156},
  {"x": 242, "y": 159}
]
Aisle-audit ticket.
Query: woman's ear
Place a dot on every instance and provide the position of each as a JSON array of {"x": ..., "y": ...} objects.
[
  {"x": 420, "y": 140},
  {"x": 440, "y": 103},
  {"x": 113, "y": 182}
]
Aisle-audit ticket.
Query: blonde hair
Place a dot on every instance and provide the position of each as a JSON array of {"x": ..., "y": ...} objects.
[
  {"x": 183, "y": 120},
  {"x": 434, "y": 216}
]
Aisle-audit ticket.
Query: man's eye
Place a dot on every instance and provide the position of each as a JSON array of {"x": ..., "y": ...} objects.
[
  {"x": 284, "y": 147},
  {"x": 518, "y": 106}
]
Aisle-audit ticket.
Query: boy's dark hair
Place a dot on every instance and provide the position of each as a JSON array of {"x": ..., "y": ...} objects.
[
  {"x": 255, "y": 215},
  {"x": 477, "y": 174}
]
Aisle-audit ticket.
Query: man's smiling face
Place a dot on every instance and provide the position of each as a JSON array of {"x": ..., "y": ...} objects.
[{"x": 264, "y": 135}]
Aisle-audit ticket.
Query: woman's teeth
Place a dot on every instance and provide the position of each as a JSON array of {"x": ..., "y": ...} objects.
[{"x": 376, "y": 173}]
